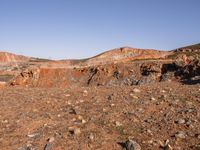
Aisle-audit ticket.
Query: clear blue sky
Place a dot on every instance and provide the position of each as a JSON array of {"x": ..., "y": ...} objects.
[{"x": 82, "y": 28}]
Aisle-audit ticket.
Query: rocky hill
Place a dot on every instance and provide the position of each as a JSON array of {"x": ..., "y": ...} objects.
[
  {"x": 123, "y": 66},
  {"x": 9, "y": 57},
  {"x": 123, "y": 99}
]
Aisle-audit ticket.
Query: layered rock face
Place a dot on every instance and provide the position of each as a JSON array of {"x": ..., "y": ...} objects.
[
  {"x": 123, "y": 66},
  {"x": 9, "y": 58}
]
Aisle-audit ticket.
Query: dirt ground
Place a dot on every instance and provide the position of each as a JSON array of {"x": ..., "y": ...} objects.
[{"x": 101, "y": 117}]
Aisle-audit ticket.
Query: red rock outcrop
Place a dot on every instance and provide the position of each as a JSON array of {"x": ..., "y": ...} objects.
[
  {"x": 9, "y": 57},
  {"x": 122, "y": 66}
]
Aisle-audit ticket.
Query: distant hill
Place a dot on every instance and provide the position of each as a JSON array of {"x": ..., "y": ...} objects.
[
  {"x": 190, "y": 48},
  {"x": 6, "y": 57}
]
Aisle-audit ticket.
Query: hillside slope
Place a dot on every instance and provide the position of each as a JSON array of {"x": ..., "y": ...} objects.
[{"x": 122, "y": 66}]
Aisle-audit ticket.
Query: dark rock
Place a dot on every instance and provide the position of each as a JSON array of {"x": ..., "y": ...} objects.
[
  {"x": 132, "y": 145},
  {"x": 48, "y": 146}
]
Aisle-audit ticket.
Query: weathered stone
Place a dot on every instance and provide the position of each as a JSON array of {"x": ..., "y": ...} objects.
[
  {"x": 34, "y": 135},
  {"x": 135, "y": 90},
  {"x": 180, "y": 135},
  {"x": 74, "y": 130},
  {"x": 118, "y": 124},
  {"x": 132, "y": 145},
  {"x": 180, "y": 121},
  {"x": 51, "y": 139},
  {"x": 91, "y": 136}
]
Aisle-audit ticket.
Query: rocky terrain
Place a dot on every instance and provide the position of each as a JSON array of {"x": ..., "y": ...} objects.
[{"x": 125, "y": 98}]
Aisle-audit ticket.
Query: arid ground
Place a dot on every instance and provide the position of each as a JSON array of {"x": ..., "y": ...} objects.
[{"x": 147, "y": 97}]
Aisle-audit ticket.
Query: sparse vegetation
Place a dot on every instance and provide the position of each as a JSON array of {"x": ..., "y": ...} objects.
[
  {"x": 147, "y": 59},
  {"x": 6, "y": 77},
  {"x": 175, "y": 55},
  {"x": 39, "y": 60}
]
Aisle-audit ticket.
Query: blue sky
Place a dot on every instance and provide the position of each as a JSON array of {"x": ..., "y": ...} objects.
[{"x": 60, "y": 29}]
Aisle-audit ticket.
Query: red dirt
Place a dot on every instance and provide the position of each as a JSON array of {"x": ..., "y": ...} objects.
[{"x": 149, "y": 96}]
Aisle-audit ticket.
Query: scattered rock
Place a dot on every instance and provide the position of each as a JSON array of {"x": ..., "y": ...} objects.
[
  {"x": 109, "y": 98},
  {"x": 80, "y": 119},
  {"x": 85, "y": 93},
  {"x": 135, "y": 90},
  {"x": 75, "y": 131},
  {"x": 133, "y": 96},
  {"x": 180, "y": 135},
  {"x": 118, "y": 124},
  {"x": 72, "y": 111},
  {"x": 153, "y": 99},
  {"x": 163, "y": 91},
  {"x": 50, "y": 144},
  {"x": 91, "y": 136},
  {"x": 26, "y": 147},
  {"x": 51, "y": 139},
  {"x": 34, "y": 135},
  {"x": 132, "y": 145},
  {"x": 166, "y": 145},
  {"x": 83, "y": 121},
  {"x": 4, "y": 121},
  {"x": 112, "y": 105},
  {"x": 180, "y": 121},
  {"x": 67, "y": 95},
  {"x": 189, "y": 123}
]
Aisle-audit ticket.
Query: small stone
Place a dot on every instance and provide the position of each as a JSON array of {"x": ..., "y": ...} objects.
[
  {"x": 5, "y": 121},
  {"x": 35, "y": 110},
  {"x": 180, "y": 135},
  {"x": 133, "y": 96},
  {"x": 23, "y": 148},
  {"x": 109, "y": 98},
  {"x": 150, "y": 142},
  {"x": 149, "y": 131},
  {"x": 104, "y": 110},
  {"x": 91, "y": 137},
  {"x": 26, "y": 147},
  {"x": 72, "y": 111},
  {"x": 112, "y": 105},
  {"x": 75, "y": 131},
  {"x": 83, "y": 121},
  {"x": 48, "y": 146},
  {"x": 74, "y": 119},
  {"x": 153, "y": 99},
  {"x": 180, "y": 121},
  {"x": 81, "y": 101},
  {"x": 51, "y": 139},
  {"x": 118, "y": 124},
  {"x": 67, "y": 95},
  {"x": 85, "y": 93},
  {"x": 34, "y": 135},
  {"x": 166, "y": 145},
  {"x": 132, "y": 145},
  {"x": 136, "y": 90},
  {"x": 189, "y": 122},
  {"x": 80, "y": 117}
]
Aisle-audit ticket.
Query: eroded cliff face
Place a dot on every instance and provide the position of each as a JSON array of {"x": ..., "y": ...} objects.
[
  {"x": 9, "y": 58},
  {"x": 132, "y": 73},
  {"x": 124, "y": 66}
]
